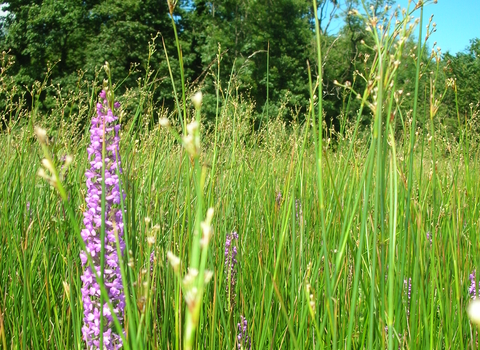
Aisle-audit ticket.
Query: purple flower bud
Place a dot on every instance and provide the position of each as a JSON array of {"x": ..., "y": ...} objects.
[{"x": 113, "y": 229}]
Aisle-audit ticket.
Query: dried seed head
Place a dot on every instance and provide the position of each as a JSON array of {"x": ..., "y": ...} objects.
[
  {"x": 48, "y": 165},
  {"x": 43, "y": 174},
  {"x": 68, "y": 161},
  {"x": 474, "y": 311},
  {"x": 192, "y": 127},
  {"x": 151, "y": 240},
  {"x": 197, "y": 99},
  {"x": 41, "y": 134},
  {"x": 208, "y": 276},
  {"x": 174, "y": 260},
  {"x": 106, "y": 67},
  {"x": 66, "y": 288},
  {"x": 190, "y": 277},
  {"x": 164, "y": 122}
]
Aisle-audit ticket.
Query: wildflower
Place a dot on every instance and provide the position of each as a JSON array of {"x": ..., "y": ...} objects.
[
  {"x": 409, "y": 285},
  {"x": 429, "y": 237},
  {"x": 243, "y": 340},
  {"x": 472, "y": 290},
  {"x": 230, "y": 269},
  {"x": 103, "y": 130},
  {"x": 278, "y": 199},
  {"x": 298, "y": 210},
  {"x": 29, "y": 211},
  {"x": 152, "y": 260}
]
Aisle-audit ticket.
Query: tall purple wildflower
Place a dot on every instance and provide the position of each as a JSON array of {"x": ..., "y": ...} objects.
[
  {"x": 230, "y": 269},
  {"x": 103, "y": 129},
  {"x": 243, "y": 340}
]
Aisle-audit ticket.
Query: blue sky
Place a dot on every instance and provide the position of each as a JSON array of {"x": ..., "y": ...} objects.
[{"x": 457, "y": 21}]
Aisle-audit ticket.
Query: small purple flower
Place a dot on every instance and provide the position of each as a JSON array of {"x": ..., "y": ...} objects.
[
  {"x": 472, "y": 290},
  {"x": 409, "y": 285},
  {"x": 243, "y": 340},
  {"x": 298, "y": 209},
  {"x": 230, "y": 269},
  {"x": 278, "y": 199},
  {"x": 103, "y": 129},
  {"x": 152, "y": 260},
  {"x": 429, "y": 237},
  {"x": 299, "y": 212},
  {"x": 29, "y": 211}
]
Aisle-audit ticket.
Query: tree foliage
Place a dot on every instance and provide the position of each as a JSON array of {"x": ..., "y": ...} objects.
[{"x": 263, "y": 46}]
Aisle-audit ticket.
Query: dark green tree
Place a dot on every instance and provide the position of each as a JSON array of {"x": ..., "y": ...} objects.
[
  {"x": 464, "y": 67},
  {"x": 245, "y": 31},
  {"x": 71, "y": 36},
  {"x": 39, "y": 33}
]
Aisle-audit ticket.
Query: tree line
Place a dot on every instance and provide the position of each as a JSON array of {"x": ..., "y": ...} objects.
[{"x": 264, "y": 45}]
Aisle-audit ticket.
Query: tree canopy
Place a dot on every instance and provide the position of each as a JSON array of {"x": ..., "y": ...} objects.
[{"x": 259, "y": 42}]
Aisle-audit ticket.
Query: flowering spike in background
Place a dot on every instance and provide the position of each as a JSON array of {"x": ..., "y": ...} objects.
[
  {"x": 231, "y": 269},
  {"x": 243, "y": 339}
]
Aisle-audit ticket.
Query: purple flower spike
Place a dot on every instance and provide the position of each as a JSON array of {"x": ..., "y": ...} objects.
[
  {"x": 278, "y": 199},
  {"x": 472, "y": 290},
  {"x": 243, "y": 340},
  {"x": 429, "y": 237},
  {"x": 102, "y": 130},
  {"x": 409, "y": 285},
  {"x": 299, "y": 212},
  {"x": 230, "y": 269}
]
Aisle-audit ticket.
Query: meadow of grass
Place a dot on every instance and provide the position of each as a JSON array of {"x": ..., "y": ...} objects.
[{"x": 363, "y": 238}]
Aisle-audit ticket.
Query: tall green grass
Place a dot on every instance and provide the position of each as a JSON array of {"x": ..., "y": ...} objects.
[{"x": 331, "y": 226}]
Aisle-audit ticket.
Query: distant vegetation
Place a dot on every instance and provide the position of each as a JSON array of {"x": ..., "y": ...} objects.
[{"x": 263, "y": 45}]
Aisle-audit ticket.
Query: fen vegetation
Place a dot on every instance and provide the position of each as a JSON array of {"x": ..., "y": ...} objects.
[{"x": 321, "y": 192}]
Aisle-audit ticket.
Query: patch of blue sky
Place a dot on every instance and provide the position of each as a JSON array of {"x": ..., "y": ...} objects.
[{"x": 457, "y": 22}]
